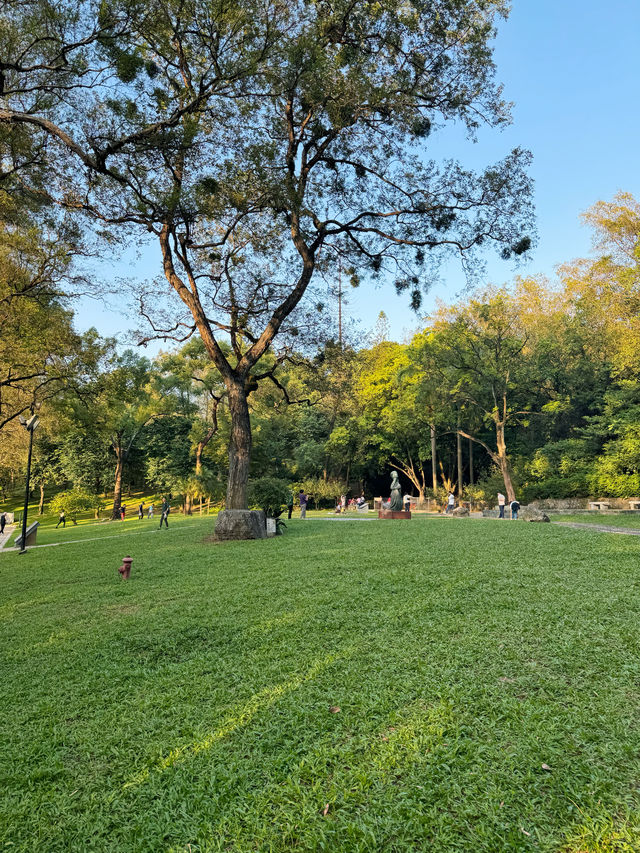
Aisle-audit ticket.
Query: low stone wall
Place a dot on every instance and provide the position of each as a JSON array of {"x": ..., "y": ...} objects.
[{"x": 561, "y": 504}]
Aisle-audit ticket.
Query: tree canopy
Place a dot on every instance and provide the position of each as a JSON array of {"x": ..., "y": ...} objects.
[{"x": 256, "y": 142}]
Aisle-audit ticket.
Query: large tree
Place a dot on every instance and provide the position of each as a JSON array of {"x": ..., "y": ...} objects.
[
  {"x": 483, "y": 352},
  {"x": 257, "y": 142}
]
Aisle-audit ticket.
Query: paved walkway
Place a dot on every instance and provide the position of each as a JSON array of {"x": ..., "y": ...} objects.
[
  {"x": 6, "y": 535},
  {"x": 600, "y": 528},
  {"x": 339, "y": 518}
]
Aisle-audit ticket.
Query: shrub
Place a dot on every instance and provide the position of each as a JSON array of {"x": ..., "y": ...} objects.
[
  {"x": 269, "y": 494},
  {"x": 73, "y": 502}
]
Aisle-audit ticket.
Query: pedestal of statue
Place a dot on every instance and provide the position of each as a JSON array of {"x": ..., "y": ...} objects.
[{"x": 394, "y": 514}]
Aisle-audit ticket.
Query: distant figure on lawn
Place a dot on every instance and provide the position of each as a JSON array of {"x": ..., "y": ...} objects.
[
  {"x": 515, "y": 506},
  {"x": 501, "y": 502},
  {"x": 141, "y": 512},
  {"x": 451, "y": 502},
  {"x": 123, "y": 511},
  {"x": 164, "y": 513},
  {"x": 61, "y": 520},
  {"x": 303, "y": 504},
  {"x": 407, "y": 503},
  {"x": 3, "y": 521},
  {"x": 150, "y": 511},
  {"x": 289, "y": 505}
]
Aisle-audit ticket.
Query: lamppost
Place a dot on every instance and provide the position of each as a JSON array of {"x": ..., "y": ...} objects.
[{"x": 31, "y": 425}]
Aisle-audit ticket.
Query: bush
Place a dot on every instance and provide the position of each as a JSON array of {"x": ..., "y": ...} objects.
[
  {"x": 322, "y": 492},
  {"x": 269, "y": 494},
  {"x": 73, "y": 502}
]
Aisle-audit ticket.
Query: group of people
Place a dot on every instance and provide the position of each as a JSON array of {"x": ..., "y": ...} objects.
[
  {"x": 164, "y": 511},
  {"x": 352, "y": 504},
  {"x": 514, "y": 506}
]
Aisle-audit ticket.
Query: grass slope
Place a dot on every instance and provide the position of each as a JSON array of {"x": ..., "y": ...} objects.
[{"x": 193, "y": 708}]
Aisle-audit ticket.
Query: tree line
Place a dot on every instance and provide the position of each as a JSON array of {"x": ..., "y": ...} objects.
[
  {"x": 255, "y": 145},
  {"x": 532, "y": 388}
]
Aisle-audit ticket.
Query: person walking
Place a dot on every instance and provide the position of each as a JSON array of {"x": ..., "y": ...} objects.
[
  {"x": 123, "y": 511},
  {"x": 289, "y": 505},
  {"x": 451, "y": 502},
  {"x": 166, "y": 509},
  {"x": 141, "y": 512},
  {"x": 303, "y": 504},
  {"x": 61, "y": 520},
  {"x": 3, "y": 521},
  {"x": 515, "y": 506},
  {"x": 150, "y": 511},
  {"x": 501, "y": 502}
]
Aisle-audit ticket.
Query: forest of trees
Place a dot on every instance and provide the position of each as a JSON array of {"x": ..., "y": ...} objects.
[
  {"x": 257, "y": 148},
  {"x": 534, "y": 388}
]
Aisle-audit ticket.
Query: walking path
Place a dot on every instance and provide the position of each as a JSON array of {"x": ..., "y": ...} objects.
[
  {"x": 600, "y": 528},
  {"x": 4, "y": 538},
  {"x": 339, "y": 518}
]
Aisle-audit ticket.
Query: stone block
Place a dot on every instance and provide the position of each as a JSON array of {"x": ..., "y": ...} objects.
[
  {"x": 241, "y": 524},
  {"x": 460, "y": 512},
  {"x": 531, "y": 513},
  {"x": 395, "y": 514}
]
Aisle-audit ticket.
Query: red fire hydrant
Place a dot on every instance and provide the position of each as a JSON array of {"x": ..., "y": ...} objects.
[{"x": 125, "y": 568}]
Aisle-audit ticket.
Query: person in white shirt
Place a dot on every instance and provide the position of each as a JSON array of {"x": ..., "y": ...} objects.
[
  {"x": 451, "y": 502},
  {"x": 501, "y": 503}
]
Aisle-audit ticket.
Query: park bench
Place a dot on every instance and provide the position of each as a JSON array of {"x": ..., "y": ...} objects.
[
  {"x": 363, "y": 508},
  {"x": 30, "y": 535},
  {"x": 634, "y": 504},
  {"x": 599, "y": 505}
]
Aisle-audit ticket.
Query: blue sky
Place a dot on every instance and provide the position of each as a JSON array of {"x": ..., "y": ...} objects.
[{"x": 571, "y": 68}]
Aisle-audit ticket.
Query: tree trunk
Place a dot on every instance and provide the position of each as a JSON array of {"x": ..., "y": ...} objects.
[
  {"x": 503, "y": 461},
  {"x": 470, "y": 462},
  {"x": 434, "y": 471},
  {"x": 41, "y": 504},
  {"x": 117, "y": 489},
  {"x": 459, "y": 459},
  {"x": 188, "y": 505},
  {"x": 239, "y": 447}
]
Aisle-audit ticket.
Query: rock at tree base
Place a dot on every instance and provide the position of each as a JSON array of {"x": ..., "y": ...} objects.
[
  {"x": 460, "y": 512},
  {"x": 530, "y": 513},
  {"x": 241, "y": 524}
]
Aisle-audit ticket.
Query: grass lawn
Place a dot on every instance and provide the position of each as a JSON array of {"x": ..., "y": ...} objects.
[
  {"x": 14, "y": 502},
  {"x": 370, "y": 686}
]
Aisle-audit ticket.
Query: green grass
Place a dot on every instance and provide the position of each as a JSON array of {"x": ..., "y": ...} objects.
[
  {"x": 90, "y": 529},
  {"x": 14, "y": 502},
  {"x": 189, "y": 709}
]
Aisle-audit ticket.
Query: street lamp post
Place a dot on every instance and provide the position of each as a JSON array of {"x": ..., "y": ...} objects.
[{"x": 31, "y": 425}]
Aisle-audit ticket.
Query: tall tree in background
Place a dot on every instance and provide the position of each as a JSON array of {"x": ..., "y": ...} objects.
[
  {"x": 482, "y": 353},
  {"x": 258, "y": 140}
]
